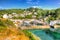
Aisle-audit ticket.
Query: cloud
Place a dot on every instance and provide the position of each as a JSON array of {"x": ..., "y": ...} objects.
[
  {"x": 0, "y": 7},
  {"x": 58, "y": 3},
  {"x": 36, "y": 2},
  {"x": 29, "y": 0},
  {"x": 36, "y": 6}
]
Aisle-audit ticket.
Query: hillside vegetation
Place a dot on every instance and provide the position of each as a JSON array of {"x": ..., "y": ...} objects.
[
  {"x": 9, "y": 32},
  {"x": 54, "y": 13}
]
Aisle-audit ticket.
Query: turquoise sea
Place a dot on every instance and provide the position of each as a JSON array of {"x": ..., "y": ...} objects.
[{"x": 46, "y": 34}]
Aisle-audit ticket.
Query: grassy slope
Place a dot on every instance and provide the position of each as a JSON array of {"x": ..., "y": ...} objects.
[
  {"x": 9, "y": 32},
  {"x": 30, "y": 35},
  {"x": 12, "y": 34}
]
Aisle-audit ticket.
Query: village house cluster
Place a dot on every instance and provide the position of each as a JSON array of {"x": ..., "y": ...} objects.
[
  {"x": 25, "y": 13},
  {"x": 28, "y": 22}
]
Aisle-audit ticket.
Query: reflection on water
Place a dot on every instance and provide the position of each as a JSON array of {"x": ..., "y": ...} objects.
[{"x": 46, "y": 36}]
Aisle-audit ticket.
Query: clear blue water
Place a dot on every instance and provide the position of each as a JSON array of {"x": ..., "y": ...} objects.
[{"x": 42, "y": 34}]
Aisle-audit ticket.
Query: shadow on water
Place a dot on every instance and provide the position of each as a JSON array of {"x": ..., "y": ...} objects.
[{"x": 46, "y": 34}]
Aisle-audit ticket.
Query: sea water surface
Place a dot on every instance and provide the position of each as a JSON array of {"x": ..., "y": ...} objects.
[{"x": 41, "y": 34}]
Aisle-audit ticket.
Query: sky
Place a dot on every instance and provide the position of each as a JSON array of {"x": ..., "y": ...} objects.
[{"x": 45, "y": 4}]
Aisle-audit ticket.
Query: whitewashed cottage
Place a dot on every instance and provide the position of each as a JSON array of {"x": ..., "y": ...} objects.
[{"x": 5, "y": 16}]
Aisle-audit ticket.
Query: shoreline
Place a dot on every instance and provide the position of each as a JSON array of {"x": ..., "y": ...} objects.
[
  {"x": 36, "y": 37},
  {"x": 38, "y": 27},
  {"x": 31, "y": 35}
]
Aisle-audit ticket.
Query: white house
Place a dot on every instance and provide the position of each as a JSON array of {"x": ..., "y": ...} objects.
[
  {"x": 26, "y": 23},
  {"x": 5, "y": 16},
  {"x": 13, "y": 13},
  {"x": 22, "y": 15},
  {"x": 10, "y": 16},
  {"x": 33, "y": 16},
  {"x": 35, "y": 13}
]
